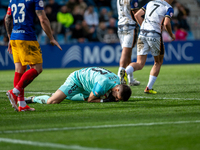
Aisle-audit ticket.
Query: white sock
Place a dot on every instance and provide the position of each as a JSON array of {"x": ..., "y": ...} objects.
[
  {"x": 130, "y": 77},
  {"x": 16, "y": 91},
  {"x": 129, "y": 69},
  {"x": 120, "y": 68},
  {"x": 22, "y": 103},
  {"x": 152, "y": 80}
]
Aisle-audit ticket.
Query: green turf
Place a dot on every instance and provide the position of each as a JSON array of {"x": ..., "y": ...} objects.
[{"x": 165, "y": 121}]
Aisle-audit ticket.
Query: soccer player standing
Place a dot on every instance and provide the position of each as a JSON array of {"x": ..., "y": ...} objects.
[
  {"x": 127, "y": 32},
  {"x": 23, "y": 45},
  {"x": 157, "y": 13}
]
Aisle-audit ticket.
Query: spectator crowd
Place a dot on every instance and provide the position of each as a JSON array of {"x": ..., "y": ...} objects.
[{"x": 83, "y": 21}]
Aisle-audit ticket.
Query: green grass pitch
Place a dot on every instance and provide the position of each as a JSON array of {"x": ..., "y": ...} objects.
[{"x": 169, "y": 120}]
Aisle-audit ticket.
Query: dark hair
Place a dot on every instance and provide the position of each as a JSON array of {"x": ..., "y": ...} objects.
[{"x": 125, "y": 91}]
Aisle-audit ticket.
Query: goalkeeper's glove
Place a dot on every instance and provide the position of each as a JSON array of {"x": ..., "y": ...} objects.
[{"x": 110, "y": 98}]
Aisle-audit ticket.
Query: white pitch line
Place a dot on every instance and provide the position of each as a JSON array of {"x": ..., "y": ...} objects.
[
  {"x": 135, "y": 97},
  {"x": 50, "y": 145},
  {"x": 99, "y": 127},
  {"x": 4, "y": 91},
  {"x": 165, "y": 98}
]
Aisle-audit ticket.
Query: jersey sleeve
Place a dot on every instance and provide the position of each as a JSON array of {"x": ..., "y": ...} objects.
[
  {"x": 98, "y": 90},
  {"x": 144, "y": 7},
  {"x": 170, "y": 13},
  {"x": 134, "y": 4},
  {"x": 39, "y": 5},
  {"x": 9, "y": 12}
]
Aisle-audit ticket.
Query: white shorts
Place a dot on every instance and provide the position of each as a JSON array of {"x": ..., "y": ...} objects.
[
  {"x": 147, "y": 44},
  {"x": 128, "y": 38}
]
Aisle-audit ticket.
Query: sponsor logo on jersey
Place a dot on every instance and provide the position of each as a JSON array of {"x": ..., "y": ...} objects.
[
  {"x": 41, "y": 3},
  {"x": 171, "y": 14}
]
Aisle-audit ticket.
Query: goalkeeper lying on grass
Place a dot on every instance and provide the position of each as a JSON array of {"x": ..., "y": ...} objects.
[{"x": 89, "y": 84}]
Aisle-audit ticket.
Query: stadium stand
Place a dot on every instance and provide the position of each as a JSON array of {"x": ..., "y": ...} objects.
[
  {"x": 191, "y": 24},
  {"x": 193, "y": 18}
]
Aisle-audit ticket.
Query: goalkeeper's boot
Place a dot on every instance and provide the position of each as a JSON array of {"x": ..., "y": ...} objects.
[
  {"x": 29, "y": 100},
  {"x": 134, "y": 83},
  {"x": 149, "y": 91},
  {"x": 123, "y": 77},
  {"x": 13, "y": 99},
  {"x": 26, "y": 108}
]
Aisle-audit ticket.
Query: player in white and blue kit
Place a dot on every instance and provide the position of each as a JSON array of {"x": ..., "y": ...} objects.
[
  {"x": 92, "y": 84},
  {"x": 127, "y": 32},
  {"x": 157, "y": 14}
]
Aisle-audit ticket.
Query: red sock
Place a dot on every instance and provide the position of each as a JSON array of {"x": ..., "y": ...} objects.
[
  {"x": 26, "y": 79},
  {"x": 17, "y": 78},
  {"x": 21, "y": 96}
]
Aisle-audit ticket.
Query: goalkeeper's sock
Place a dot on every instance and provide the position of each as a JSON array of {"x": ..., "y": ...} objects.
[{"x": 41, "y": 99}]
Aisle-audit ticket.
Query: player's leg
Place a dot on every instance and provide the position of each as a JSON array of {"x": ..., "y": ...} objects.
[
  {"x": 19, "y": 70},
  {"x": 142, "y": 51},
  {"x": 132, "y": 81},
  {"x": 56, "y": 98},
  {"x": 127, "y": 41},
  {"x": 158, "y": 60},
  {"x": 30, "y": 53},
  {"x": 157, "y": 50}
]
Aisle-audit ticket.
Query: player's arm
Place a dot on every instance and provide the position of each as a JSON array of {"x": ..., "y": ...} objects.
[
  {"x": 8, "y": 24},
  {"x": 134, "y": 8},
  {"x": 167, "y": 23},
  {"x": 138, "y": 16},
  {"x": 9, "y": 27},
  {"x": 93, "y": 98},
  {"x": 44, "y": 21}
]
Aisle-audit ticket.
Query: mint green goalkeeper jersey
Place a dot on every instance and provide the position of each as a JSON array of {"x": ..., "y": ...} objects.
[
  {"x": 97, "y": 80},
  {"x": 87, "y": 80}
]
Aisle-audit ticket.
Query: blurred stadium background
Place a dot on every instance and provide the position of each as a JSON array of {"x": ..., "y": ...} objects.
[{"x": 87, "y": 30}]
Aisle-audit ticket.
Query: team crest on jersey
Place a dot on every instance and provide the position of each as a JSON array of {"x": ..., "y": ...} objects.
[
  {"x": 41, "y": 3},
  {"x": 171, "y": 14},
  {"x": 70, "y": 91},
  {"x": 136, "y": 4}
]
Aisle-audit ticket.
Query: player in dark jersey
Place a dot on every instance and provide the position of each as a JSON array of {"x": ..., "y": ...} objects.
[{"x": 23, "y": 44}]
